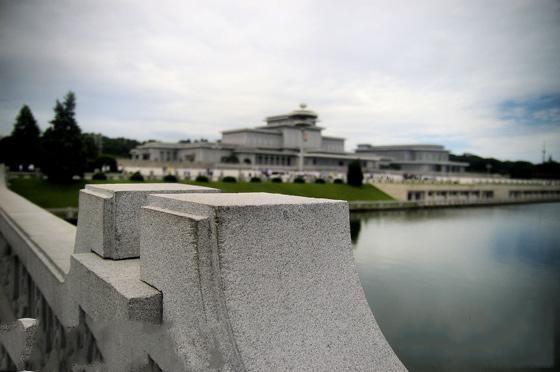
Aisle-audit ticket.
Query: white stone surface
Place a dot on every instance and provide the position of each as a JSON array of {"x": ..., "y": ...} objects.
[
  {"x": 111, "y": 290},
  {"x": 44, "y": 244},
  {"x": 260, "y": 282},
  {"x": 239, "y": 281},
  {"x": 18, "y": 339},
  {"x": 53, "y": 236},
  {"x": 108, "y": 216}
]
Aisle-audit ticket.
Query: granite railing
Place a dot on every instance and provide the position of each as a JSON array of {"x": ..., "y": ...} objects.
[{"x": 179, "y": 278}]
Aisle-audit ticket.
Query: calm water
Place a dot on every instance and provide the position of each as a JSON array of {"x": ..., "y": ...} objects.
[{"x": 465, "y": 289}]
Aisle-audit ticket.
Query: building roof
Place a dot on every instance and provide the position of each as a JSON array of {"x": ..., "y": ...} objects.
[
  {"x": 252, "y": 150},
  {"x": 340, "y": 155},
  {"x": 302, "y": 113},
  {"x": 404, "y": 147},
  {"x": 335, "y": 138},
  {"x": 178, "y": 146},
  {"x": 283, "y": 125},
  {"x": 428, "y": 162},
  {"x": 160, "y": 145},
  {"x": 253, "y": 130}
]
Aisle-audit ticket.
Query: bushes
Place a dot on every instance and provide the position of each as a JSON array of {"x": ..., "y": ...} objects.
[
  {"x": 255, "y": 179},
  {"x": 299, "y": 180},
  {"x": 355, "y": 177},
  {"x": 276, "y": 180},
  {"x": 201, "y": 178},
  {"x": 170, "y": 178},
  {"x": 320, "y": 180},
  {"x": 338, "y": 181},
  {"x": 99, "y": 176},
  {"x": 229, "y": 179},
  {"x": 136, "y": 176},
  {"x": 107, "y": 162}
]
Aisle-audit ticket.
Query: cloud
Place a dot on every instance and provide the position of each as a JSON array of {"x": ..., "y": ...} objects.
[
  {"x": 543, "y": 110},
  {"x": 379, "y": 72}
]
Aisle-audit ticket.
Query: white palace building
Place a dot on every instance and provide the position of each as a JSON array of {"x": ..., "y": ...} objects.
[{"x": 291, "y": 142}]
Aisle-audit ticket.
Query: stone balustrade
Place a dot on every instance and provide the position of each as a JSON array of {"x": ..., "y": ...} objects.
[{"x": 179, "y": 278}]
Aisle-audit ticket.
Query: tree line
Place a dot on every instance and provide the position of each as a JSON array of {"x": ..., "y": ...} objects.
[
  {"x": 62, "y": 151},
  {"x": 549, "y": 169}
]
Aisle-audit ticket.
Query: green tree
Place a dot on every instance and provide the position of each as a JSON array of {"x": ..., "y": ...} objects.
[
  {"x": 354, "y": 176},
  {"x": 91, "y": 151},
  {"x": 6, "y": 150},
  {"x": 22, "y": 147},
  {"x": 118, "y": 147},
  {"x": 62, "y": 148},
  {"x": 548, "y": 170}
]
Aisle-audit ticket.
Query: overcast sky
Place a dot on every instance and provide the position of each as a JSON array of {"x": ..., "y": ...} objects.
[{"x": 476, "y": 76}]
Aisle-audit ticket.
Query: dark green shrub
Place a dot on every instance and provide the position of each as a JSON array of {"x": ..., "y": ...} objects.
[
  {"x": 105, "y": 160},
  {"x": 170, "y": 178},
  {"x": 99, "y": 176},
  {"x": 355, "y": 177},
  {"x": 136, "y": 176},
  {"x": 338, "y": 180},
  {"x": 201, "y": 178},
  {"x": 276, "y": 180},
  {"x": 299, "y": 180},
  {"x": 320, "y": 180},
  {"x": 229, "y": 179},
  {"x": 255, "y": 179}
]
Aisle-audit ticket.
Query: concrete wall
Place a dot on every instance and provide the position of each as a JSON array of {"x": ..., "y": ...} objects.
[
  {"x": 441, "y": 192},
  {"x": 254, "y": 139},
  {"x": 332, "y": 144},
  {"x": 408, "y": 154},
  {"x": 244, "y": 282},
  {"x": 294, "y": 138}
]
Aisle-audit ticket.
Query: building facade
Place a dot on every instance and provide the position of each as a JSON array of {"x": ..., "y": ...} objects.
[
  {"x": 292, "y": 142},
  {"x": 415, "y": 159}
]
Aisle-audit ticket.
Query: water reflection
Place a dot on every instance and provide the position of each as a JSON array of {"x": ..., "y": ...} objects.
[
  {"x": 355, "y": 227},
  {"x": 465, "y": 289}
]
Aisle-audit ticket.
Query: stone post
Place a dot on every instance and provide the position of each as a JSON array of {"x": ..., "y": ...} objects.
[
  {"x": 259, "y": 282},
  {"x": 108, "y": 216}
]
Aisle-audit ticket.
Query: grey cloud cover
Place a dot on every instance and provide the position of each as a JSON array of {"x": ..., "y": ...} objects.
[{"x": 376, "y": 71}]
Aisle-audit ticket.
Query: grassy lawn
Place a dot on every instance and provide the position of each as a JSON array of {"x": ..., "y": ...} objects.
[
  {"x": 49, "y": 195},
  {"x": 314, "y": 190}
]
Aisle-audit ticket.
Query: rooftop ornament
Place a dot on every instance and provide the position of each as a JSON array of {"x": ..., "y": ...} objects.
[{"x": 303, "y": 112}]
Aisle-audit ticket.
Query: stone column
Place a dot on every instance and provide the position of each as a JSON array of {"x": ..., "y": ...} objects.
[
  {"x": 108, "y": 216},
  {"x": 259, "y": 282}
]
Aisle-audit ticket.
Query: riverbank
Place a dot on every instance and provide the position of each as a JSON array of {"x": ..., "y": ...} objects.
[
  {"x": 414, "y": 195},
  {"x": 364, "y": 206},
  {"x": 62, "y": 200}
]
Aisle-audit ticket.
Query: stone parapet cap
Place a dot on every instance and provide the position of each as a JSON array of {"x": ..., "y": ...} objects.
[
  {"x": 111, "y": 290},
  {"x": 108, "y": 216},
  {"x": 264, "y": 281},
  {"x": 51, "y": 238},
  {"x": 113, "y": 188},
  {"x": 240, "y": 199}
]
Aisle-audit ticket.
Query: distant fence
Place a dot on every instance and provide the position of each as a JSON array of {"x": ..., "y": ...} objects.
[{"x": 356, "y": 206}]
